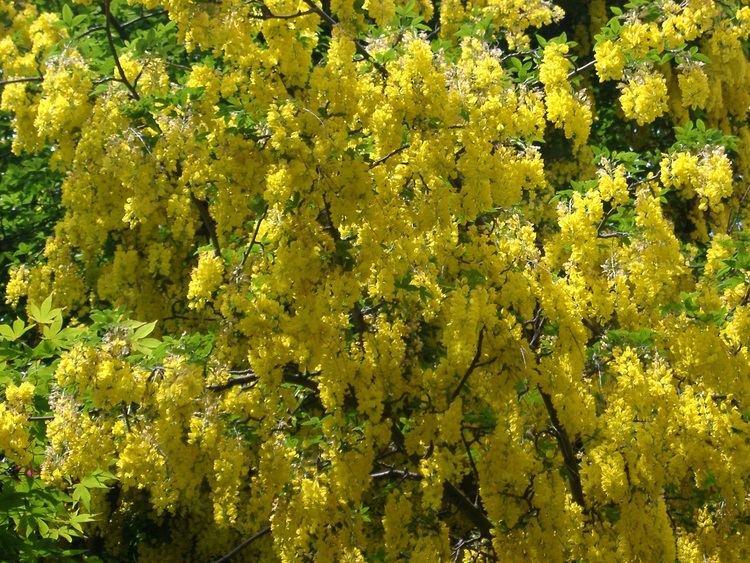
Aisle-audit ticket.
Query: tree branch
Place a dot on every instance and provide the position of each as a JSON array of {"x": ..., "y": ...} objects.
[
  {"x": 402, "y": 474},
  {"x": 473, "y": 465},
  {"x": 267, "y": 14},
  {"x": 228, "y": 557},
  {"x": 109, "y": 19},
  {"x": 360, "y": 48},
  {"x": 472, "y": 366},
  {"x": 258, "y": 221},
  {"x": 475, "y": 514},
  {"x": 453, "y": 494},
  {"x": 569, "y": 456},
  {"x": 21, "y": 79},
  {"x": 580, "y": 69},
  {"x": 245, "y": 379},
  {"x": 208, "y": 222},
  {"x": 389, "y": 155},
  {"x": 300, "y": 379},
  {"x": 124, "y": 25}
]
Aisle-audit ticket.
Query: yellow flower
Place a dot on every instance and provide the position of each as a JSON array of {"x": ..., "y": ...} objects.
[
  {"x": 610, "y": 60},
  {"x": 553, "y": 71},
  {"x": 205, "y": 279},
  {"x": 17, "y": 285},
  {"x": 694, "y": 87},
  {"x": 644, "y": 97},
  {"x": 19, "y": 396}
]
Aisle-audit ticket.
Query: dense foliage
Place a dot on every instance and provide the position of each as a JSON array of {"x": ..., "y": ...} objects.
[{"x": 417, "y": 280}]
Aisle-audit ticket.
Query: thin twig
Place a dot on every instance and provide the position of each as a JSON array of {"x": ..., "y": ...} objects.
[
  {"x": 128, "y": 23},
  {"x": 516, "y": 54},
  {"x": 454, "y": 495},
  {"x": 360, "y": 48},
  {"x": 569, "y": 456},
  {"x": 389, "y": 155},
  {"x": 736, "y": 219},
  {"x": 108, "y": 28},
  {"x": 249, "y": 248},
  {"x": 267, "y": 14},
  {"x": 475, "y": 514},
  {"x": 396, "y": 473},
  {"x": 245, "y": 379},
  {"x": 21, "y": 79},
  {"x": 614, "y": 234},
  {"x": 208, "y": 222},
  {"x": 473, "y": 465},
  {"x": 106, "y": 79},
  {"x": 176, "y": 65},
  {"x": 580, "y": 69},
  {"x": 244, "y": 544},
  {"x": 472, "y": 366},
  {"x": 301, "y": 379}
]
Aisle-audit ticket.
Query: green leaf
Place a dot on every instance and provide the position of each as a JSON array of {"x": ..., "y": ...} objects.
[
  {"x": 19, "y": 328},
  {"x": 81, "y": 494},
  {"x": 143, "y": 331},
  {"x": 474, "y": 277},
  {"x": 147, "y": 346},
  {"x": 44, "y": 314},
  {"x": 67, "y": 15},
  {"x": 96, "y": 480},
  {"x": 7, "y": 332},
  {"x": 52, "y": 331}
]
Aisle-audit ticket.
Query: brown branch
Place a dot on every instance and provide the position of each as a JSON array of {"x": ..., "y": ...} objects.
[
  {"x": 475, "y": 514},
  {"x": 244, "y": 544},
  {"x": 109, "y": 19},
  {"x": 176, "y": 65},
  {"x": 35, "y": 418},
  {"x": 604, "y": 219},
  {"x": 402, "y": 474},
  {"x": 123, "y": 25},
  {"x": 736, "y": 219},
  {"x": 472, "y": 366},
  {"x": 107, "y": 79},
  {"x": 121, "y": 31},
  {"x": 325, "y": 220},
  {"x": 300, "y": 379},
  {"x": 614, "y": 234},
  {"x": 267, "y": 14},
  {"x": 258, "y": 221},
  {"x": 453, "y": 494},
  {"x": 208, "y": 223},
  {"x": 314, "y": 7},
  {"x": 245, "y": 379},
  {"x": 580, "y": 69},
  {"x": 537, "y": 326},
  {"x": 569, "y": 456},
  {"x": 652, "y": 177},
  {"x": 21, "y": 79},
  {"x": 473, "y": 465},
  {"x": 389, "y": 155},
  {"x": 516, "y": 54},
  {"x": 360, "y": 48}
]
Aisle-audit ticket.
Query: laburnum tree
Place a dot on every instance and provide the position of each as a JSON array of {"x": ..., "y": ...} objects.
[{"x": 461, "y": 280}]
